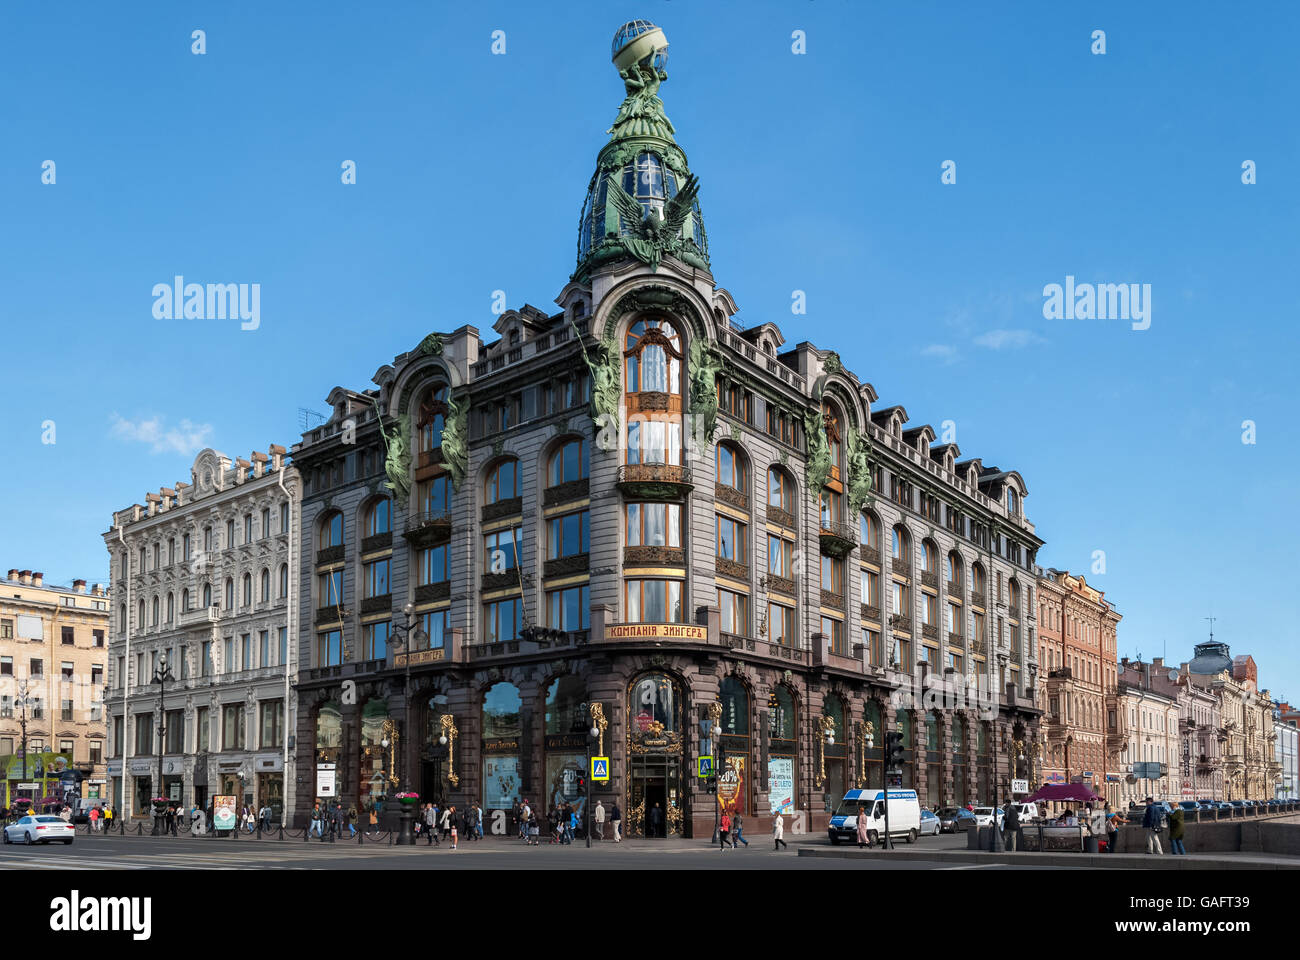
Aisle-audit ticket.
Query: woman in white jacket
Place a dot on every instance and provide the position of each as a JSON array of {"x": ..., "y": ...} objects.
[{"x": 778, "y": 830}]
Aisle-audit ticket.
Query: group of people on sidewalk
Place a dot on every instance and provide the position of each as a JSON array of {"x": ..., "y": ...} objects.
[{"x": 1103, "y": 823}]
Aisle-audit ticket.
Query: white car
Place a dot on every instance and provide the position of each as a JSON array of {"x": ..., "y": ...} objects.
[
  {"x": 39, "y": 829},
  {"x": 984, "y": 816}
]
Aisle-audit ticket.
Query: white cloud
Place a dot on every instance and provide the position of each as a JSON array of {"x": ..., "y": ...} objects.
[
  {"x": 940, "y": 351},
  {"x": 188, "y": 438},
  {"x": 1008, "y": 339}
]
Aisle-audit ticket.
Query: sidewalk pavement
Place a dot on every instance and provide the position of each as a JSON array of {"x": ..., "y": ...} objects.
[{"x": 1092, "y": 861}]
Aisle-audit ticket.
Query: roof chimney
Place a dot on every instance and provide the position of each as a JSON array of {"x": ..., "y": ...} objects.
[
  {"x": 25, "y": 577},
  {"x": 79, "y": 586},
  {"x": 13, "y": 574},
  {"x": 98, "y": 590},
  {"x": 38, "y": 579}
]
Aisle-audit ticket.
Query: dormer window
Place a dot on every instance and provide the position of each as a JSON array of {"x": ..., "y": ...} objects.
[
  {"x": 579, "y": 308},
  {"x": 514, "y": 338},
  {"x": 1013, "y": 503},
  {"x": 896, "y": 427}
]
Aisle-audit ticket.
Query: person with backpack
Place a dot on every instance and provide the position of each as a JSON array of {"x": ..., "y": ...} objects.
[
  {"x": 1153, "y": 821},
  {"x": 737, "y": 831}
]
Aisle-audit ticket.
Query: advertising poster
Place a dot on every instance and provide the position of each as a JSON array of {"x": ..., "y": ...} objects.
[
  {"x": 223, "y": 813},
  {"x": 731, "y": 787},
  {"x": 780, "y": 782},
  {"x": 500, "y": 782}
]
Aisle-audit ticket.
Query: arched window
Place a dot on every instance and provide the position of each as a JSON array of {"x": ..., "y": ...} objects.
[
  {"x": 430, "y": 421},
  {"x": 565, "y": 709},
  {"x": 977, "y": 579},
  {"x": 266, "y": 585},
  {"x": 171, "y": 607},
  {"x": 284, "y": 580},
  {"x": 652, "y": 358},
  {"x": 502, "y": 730},
  {"x": 185, "y": 600},
  {"x": 230, "y": 593},
  {"x": 929, "y": 557},
  {"x": 331, "y": 531},
  {"x": 782, "y": 749},
  {"x": 833, "y": 422},
  {"x": 836, "y": 752},
  {"x": 735, "y": 708},
  {"x": 502, "y": 481},
  {"x": 568, "y": 463},
  {"x": 379, "y": 517},
  {"x": 329, "y": 732},
  {"x": 1015, "y": 598},
  {"x": 869, "y": 530},
  {"x": 731, "y": 468},
  {"x": 653, "y": 699},
  {"x": 955, "y": 570},
  {"x": 1013, "y": 502},
  {"x": 121, "y": 617},
  {"x": 780, "y": 490},
  {"x": 900, "y": 547},
  {"x": 207, "y": 595},
  {"x": 248, "y": 589},
  {"x": 154, "y": 610}
]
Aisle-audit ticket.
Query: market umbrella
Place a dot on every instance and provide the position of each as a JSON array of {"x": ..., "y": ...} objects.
[{"x": 1065, "y": 793}]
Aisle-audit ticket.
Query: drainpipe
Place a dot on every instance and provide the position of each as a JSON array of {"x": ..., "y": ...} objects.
[
  {"x": 290, "y": 629},
  {"x": 126, "y": 668}
]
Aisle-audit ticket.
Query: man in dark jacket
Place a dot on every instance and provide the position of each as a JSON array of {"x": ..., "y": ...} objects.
[
  {"x": 656, "y": 820},
  {"x": 1153, "y": 821},
  {"x": 1011, "y": 825}
]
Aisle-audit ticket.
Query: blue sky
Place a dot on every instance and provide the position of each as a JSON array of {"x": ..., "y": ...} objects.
[{"x": 819, "y": 172}]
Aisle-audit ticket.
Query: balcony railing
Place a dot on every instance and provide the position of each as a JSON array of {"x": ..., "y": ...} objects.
[
  {"x": 954, "y": 590},
  {"x": 930, "y": 631},
  {"x": 190, "y": 618},
  {"x": 900, "y": 624},
  {"x": 837, "y": 538},
  {"x": 977, "y": 598},
  {"x": 655, "y": 480},
  {"x": 929, "y": 579},
  {"x": 423, "y": 529},
  {"x": 956, "y": 640}
]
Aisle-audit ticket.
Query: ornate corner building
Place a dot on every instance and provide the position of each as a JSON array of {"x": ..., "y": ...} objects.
[
  {"x": 205, "y": 581},
  {"x": 634, "y": 502}
]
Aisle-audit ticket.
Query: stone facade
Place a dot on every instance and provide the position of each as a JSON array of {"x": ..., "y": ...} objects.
[
  {"x": 1077, "y": 629},
  {"x": 54, "y": 654},
  {"x": 205, "y": 578}
]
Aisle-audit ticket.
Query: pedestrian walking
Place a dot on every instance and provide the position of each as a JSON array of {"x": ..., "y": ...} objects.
[
  {"x": 315, "y": 820},
  {"x": 374, "y": 820},
  {"x": 526, "y": 816},
  {"x": 478, "y": 820},
  {"x": 616, "y": 818},
  {"x": 1010, "y": 825},
  {"x": 738, "y": 831},
  {"x": 600, "y": 820},
  {"x": 1176, "y": 847},
  {"x": 446, "y": 822},
  {"x": 864, "y": 838},
  {"x": 574, "y": 823},
  {"x": 778, "y": 831},
  {"x": 453, "y": 828},
  {"x": 108, "y": 816},
  {"x": 1113, "y": 821},
  {"x": 1153, "y": 824},
  {"x": 534, "y": 829},
  {"x": 723, "y": 830},
  {"x": 94, "y": 819}
]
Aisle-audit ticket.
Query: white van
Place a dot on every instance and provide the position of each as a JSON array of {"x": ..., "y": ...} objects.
[{"x": 904, "y": 815}]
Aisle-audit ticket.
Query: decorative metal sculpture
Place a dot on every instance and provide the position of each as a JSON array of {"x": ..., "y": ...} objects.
[
  {"x": 641, "y": 114},
  {"x": 704, "y": 367},
  {"x": 825, "y": 727},
  {"x": 598, "y": 719},
  {"x": 606, "y": 388},
  {"x": 819, "y": 451},
  {"x": 650, "y": 234},
  {"x": 866, "y": 736},
  {"x": 430, "y": 346},
  {"x": 859, "y": 480},
  {"x": 448, "y": 724},
  {"x": 397, "y": 462},
  {"x": 389, "y": 731},
  {"x": 455, "y": 441}
]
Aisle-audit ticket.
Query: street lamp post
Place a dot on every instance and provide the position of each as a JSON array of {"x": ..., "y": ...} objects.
[
  {"x": 598, "y": 724},
  {"x": 715, "y": 732},
  {"x": 408, "y": 631},
  {"x": 161, "y": 675},
  {"x": 23, "y": 700}
]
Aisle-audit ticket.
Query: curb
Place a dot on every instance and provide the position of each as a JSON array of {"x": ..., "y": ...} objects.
[{"x": 1130, "y": 861}]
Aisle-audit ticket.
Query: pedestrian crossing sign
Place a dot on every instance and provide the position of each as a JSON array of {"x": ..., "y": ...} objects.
[
  {"x": 600, "y": 768},
  {"x": 706, "y": 767}
]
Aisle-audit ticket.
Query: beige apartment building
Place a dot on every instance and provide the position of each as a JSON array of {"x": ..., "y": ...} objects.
[{"x": 53, "y": 658}]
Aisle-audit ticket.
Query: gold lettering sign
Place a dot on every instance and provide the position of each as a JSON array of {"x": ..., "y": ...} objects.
[
  {"x": 655, "y": 631},
  {"x": 419, "y": 656}
]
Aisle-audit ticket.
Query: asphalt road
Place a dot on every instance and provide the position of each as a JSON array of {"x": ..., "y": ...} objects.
[{"x": 149, "y": 853}]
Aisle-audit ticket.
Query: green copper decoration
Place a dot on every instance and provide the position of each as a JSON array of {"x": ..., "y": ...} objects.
[
  {"x": 642, "y": 112},
  {"x": 397, "y": 462},
  {"x": 704, "y": 364},
  {"x": 455, "y": 440},
  {"x": 859, "y": 485},
  {"x": 606, "y": 388},
  {"x": 819, "y": 451},
  {"x": 651, "y": 236},
  {"x": 430, "y": 346}
]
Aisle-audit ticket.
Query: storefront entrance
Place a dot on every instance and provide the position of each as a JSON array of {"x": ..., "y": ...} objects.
[{"x": 654, "y": 780}]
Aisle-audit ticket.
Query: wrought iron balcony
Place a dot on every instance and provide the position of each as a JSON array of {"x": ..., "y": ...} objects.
[
  {"x": 654, "y": 481},
  {"x": 837, "y": 538},
  {"x": 425, "y": 529}
]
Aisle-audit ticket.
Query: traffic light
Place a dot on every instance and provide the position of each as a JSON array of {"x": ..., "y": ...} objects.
[
  {"x": 582, "y": 784},
  {"x": 893, "y": 750}
]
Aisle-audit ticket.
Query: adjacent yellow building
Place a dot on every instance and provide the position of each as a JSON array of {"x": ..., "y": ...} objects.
[{"x": 53, "y": 658}]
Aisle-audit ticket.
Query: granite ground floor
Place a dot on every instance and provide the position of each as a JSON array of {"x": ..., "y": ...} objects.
[{"x": 795, "y": 737}]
